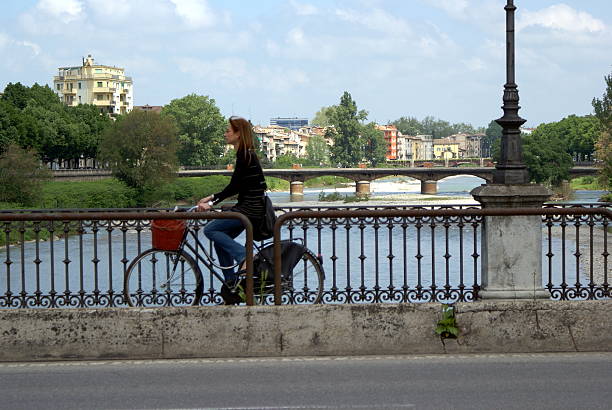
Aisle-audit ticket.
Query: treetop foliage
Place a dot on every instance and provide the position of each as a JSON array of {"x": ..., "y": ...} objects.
[
  {"x": 34, "y": 118},
  {"x": 140, "y": 148},
  {"x": 200, "y": 129},
  {"x": 433, "y": 126},
  {"x": 354, "y": 141},
  {"x": 603, "y": 113}
]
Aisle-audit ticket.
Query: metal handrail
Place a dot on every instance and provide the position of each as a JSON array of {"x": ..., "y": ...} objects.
[
  {"x": 126, "y": 216},
  {"x": 334, "y": 214}
]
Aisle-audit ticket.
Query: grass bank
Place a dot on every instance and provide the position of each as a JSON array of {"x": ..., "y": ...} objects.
[{"x": 586, "y": 183}]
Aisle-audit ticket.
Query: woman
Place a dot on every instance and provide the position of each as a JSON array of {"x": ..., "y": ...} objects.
[{"x": 249, "y": 183}]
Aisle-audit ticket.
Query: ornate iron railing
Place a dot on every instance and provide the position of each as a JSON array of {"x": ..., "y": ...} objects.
[{"x": 429, "y": 253}]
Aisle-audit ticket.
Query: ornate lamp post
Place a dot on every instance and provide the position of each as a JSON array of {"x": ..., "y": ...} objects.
[
  {"x": 510, "y": 169},
  {"x": 511, "y": 263}
]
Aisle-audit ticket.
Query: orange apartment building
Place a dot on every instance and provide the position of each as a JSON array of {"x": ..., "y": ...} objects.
[{"x": 391, "y": 139}]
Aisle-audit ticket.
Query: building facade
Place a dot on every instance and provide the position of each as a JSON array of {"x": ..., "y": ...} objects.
[
  {"x": 294, "y": 123},
  {"x": 106, "y": 87},
  {"x": 391, "y": 135}
]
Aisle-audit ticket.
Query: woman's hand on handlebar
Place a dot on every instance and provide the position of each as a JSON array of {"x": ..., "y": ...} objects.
[{"x": 205, "y": 204}]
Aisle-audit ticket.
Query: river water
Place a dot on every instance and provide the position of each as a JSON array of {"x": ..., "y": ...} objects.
[{"x": 377, "y": 253}]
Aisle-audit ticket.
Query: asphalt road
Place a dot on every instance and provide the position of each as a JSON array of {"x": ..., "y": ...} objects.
[{"x": 509, "y": 381}]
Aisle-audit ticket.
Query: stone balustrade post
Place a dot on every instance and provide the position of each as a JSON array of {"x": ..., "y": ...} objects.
[{"x": 511, "y": 249}]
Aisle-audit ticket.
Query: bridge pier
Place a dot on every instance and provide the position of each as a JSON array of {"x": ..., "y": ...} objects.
[
  {"x": 296, "y": 190},
  {"x": 362, "y": 188},
  {"x": 429, "y": 187}
]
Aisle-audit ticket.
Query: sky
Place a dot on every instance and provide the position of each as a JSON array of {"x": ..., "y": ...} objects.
[{"x": 270, "y": 58}]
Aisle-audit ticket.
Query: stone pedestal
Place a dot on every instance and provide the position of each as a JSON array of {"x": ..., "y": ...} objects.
[
  {"x": 511, "y": 260},
  {"x": 429, "y": 187},
  {"x": 362, "y": 188}
]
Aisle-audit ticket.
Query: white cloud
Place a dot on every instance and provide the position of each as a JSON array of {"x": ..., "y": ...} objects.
[
  {"x": 296, "y": 37},
  {"x": 111, "y": 8},
  {"x": 64, "y": 10},
  {"x": 376, "y": 19},
  {"x": 195, "y": 13},
  {"x": 303, "y": 9},
  {"x": 453, "y": 7},
  {"x": 561, "y": 17}
]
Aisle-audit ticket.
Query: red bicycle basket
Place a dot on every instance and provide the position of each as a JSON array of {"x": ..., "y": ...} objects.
[{"x": 168, "y": 233}]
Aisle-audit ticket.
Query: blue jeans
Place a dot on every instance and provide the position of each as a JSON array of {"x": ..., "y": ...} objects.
[{"x": 222, "y": 233}]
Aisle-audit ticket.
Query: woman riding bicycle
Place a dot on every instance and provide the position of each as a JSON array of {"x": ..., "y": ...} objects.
[{"x": 249, "y": 184}]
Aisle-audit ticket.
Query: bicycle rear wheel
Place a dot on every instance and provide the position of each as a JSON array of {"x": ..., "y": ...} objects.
[
  {"x": 304, "y": 284},
  {"x": 162, "y": 278}
]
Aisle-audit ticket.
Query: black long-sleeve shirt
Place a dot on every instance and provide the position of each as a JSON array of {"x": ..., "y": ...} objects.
[{"x": 249, "y": 183}]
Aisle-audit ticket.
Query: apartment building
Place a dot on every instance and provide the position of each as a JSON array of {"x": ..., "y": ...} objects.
[
  {"x": 391, "y": 135},
  {"x": 445, "y": 148},
  {"x": 422, "y": 147},
  {"x": 276, "y": 141},
  {"x": 104, "y": 86}
]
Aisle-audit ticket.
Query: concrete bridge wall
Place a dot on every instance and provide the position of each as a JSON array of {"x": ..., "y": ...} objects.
[{"x": 534, "y": 326}]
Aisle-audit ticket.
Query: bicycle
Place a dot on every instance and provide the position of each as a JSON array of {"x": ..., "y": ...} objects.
[{"x": 169, "y": 273}]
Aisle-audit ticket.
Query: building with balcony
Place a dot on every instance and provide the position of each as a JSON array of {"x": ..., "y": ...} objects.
[
  {"x": 106, "y": 87},
  {"x": 391, "y": 134}
]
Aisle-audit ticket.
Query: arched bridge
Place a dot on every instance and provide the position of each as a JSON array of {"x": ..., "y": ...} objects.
[{"x": 362, "y": 176}]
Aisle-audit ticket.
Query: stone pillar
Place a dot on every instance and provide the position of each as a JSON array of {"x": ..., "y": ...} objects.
[
  {"x": 362, "y": 188},
  {"x": 511, "y": 250},
  {"x": 482, "y": 162},
  {"x": 429, "y": 187},
  {"x": 296, "y": 190},
  {"x": 411, "y": 162}
]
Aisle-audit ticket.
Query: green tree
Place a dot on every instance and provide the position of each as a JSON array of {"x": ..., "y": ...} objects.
[
  {"x": 286, "y": 161},
  {"x": 375, "y": 146},
  {"x": 603, "y": 113},
  {"x": 578, "y": 134},
  {"x": 322, "y": 117},
  {"x": 408, "y": 126},
  {"x": 317, "y": 151},
  {"x": 34, "y": 118},
  {"x": 140, "y": 148},
  {"x": 545, "y": 156},
  {"x": 200, "y": 127},
  {"x": 348, "y": 147},
  {"x": 493, "y": 135},
  {"x": 21, "y": 176}
]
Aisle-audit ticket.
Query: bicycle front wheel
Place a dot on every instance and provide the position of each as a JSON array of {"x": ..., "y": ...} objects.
[{"x": 162, "y": 278}]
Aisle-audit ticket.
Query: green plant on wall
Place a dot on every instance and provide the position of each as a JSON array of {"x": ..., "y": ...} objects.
[
  {"x": 261, "y": 293},
  {"x": 447, "y": 326}
]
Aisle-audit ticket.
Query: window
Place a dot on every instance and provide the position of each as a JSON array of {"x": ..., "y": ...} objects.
[
  {"x": 99, "y": 83},
  {"x": 58, "y": 87},
  {"x": 79, "y": 87},
  {"x": 79, "y": 97}
]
